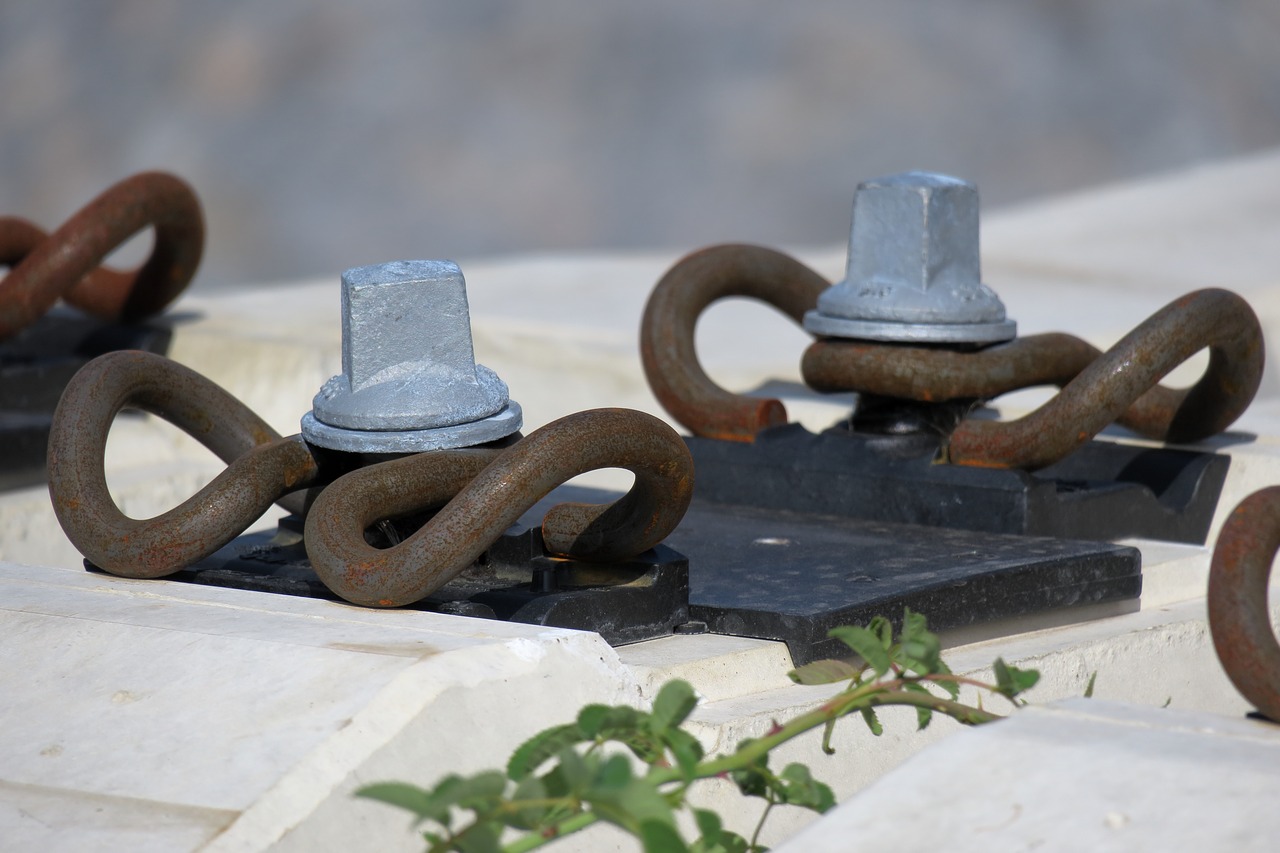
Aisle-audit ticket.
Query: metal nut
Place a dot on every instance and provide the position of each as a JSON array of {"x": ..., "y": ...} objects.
[
  {"x": 914, "y": 272},
  {"x": 409, "y": 380}
]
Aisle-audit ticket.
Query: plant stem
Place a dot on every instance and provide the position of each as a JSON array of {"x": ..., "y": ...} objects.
[
  {"x": 869, "y": 695},
  {"x": 534, "y": 840},
  {"x": 755, "y": 836}
]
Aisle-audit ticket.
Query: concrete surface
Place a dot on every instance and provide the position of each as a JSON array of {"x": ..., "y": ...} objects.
[
  {"x": 1073, "y": 775},
  {"x": 172, "y": 717},
  {"x": 143, "y": 715}
]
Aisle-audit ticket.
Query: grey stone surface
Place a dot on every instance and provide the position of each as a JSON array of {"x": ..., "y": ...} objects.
[
  {"x": 914, "y": 271},
  {"x": 322, "y": 135}
]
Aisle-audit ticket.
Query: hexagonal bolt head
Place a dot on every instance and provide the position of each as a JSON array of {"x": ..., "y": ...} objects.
[
  {"x": 914, "y": 271},
  {"x": 409, "y": 379}
]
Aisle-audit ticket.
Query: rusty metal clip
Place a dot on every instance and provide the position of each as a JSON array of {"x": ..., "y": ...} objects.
[
  {"x": 261, "y": 466},
  {"x": 666, "y": 333},
  {"x": 66, "y": 264},
  {"x": 490, "y": 489},
  {"x": 480, "y": 491},
  {"x": 1098, "y": 388},
  {"x": 1239, "y": 615}
]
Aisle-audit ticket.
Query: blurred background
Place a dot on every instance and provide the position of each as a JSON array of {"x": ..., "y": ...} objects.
[{"x": 323, "y": 135}]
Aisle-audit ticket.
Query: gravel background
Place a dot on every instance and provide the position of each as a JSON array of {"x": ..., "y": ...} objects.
[{"x": 322, "y": 135}]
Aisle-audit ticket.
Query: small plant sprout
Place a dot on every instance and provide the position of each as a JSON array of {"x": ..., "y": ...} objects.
[{"x": 563, "y": 779}]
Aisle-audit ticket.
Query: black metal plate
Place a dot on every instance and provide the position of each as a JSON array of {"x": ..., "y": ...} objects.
[
  {"x": 744, "y": 571},
  {"x": 36, "y": 365},
  {"x": 784, "y": 576},
  {"x": 639, "y": 599},
  {"x": 1102, "y": 491}
]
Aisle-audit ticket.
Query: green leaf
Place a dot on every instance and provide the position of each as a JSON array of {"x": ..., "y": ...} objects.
[
  {"x": 480, "y": 792},
  {"x": 480, "y": 838},
  {"x": 752, "y": 780},
  {"x": 603, "y": 721},
  {"x": 685, "y": 749},
  {"x": 660, "y": 837},
  {"x": 624, "y": 724},
  {"x": 1010, "y": 681},
  {"x": 592, "y": 718},
  {"x": 949, "y": 687},
  {"x": 921, "y": 650},
  {"x": 824, "y": 672},
  {"x": 645, "y": 746},
  {"x": 631, "y": 805},
  {"x": 408, "y": 797},
  {"x": 531, "y": 754},
  {"x": 1088, "y": 689},
  {"x": 577, "y": 771},
  {"x": 914, "y": 625},
  {"x": 530, "y": 816},
  {"x": 732, "y": 842},
  {"x": 872, "y": 721},
  {"x": 710, "y": 827},
  {"x": 801, "y": 789},
  {"x": 615, "y": 772},
  {"x": 866, "y": 644},
  {"x": 924, "y": 716},
  {"x": 673, "y": 704},
  {"x": 883, "y": 629}
]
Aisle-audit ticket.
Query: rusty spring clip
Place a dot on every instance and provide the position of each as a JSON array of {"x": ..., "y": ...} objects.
[
  {"x": 1239, "y": 615},
  {"x": 66, "y": 264},
  {"x": 1097, "y": 388},
  {"x": 479, "y": 491}
]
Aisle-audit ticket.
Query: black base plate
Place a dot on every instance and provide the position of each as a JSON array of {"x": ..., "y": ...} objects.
[
  {"x": 742, "y": 571},
  {"x": 36, "y": 365},
  {"x": 786, "y": 576},
  {"x": 639, "y": 599},
  {"x": 1101, "y": 491}
]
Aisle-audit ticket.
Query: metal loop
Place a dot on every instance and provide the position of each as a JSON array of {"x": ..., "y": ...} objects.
[
  {"x": 1097, "y": 388},
  {"x": 262, "y": 466},
  {"x": 1239, "y": 615},
  {"x": 667, "y": 333},
  {"x": 66, "y": 264},
  {"x": 482, "y": 490},
  {"x": 490, "y": 490}
]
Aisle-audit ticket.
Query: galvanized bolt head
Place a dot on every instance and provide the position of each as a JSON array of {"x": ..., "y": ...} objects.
[
  {"x": 409, "y": 380},
  {"x": 914, "y": 272}
]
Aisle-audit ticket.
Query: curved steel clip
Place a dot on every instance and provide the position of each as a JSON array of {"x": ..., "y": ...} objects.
[
  {"x": 65, "y": 264},
  {"x": 1239, "y": 617},
  {"x": 1097, "y": 388},
  {"x": 481, "y": 491}
]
